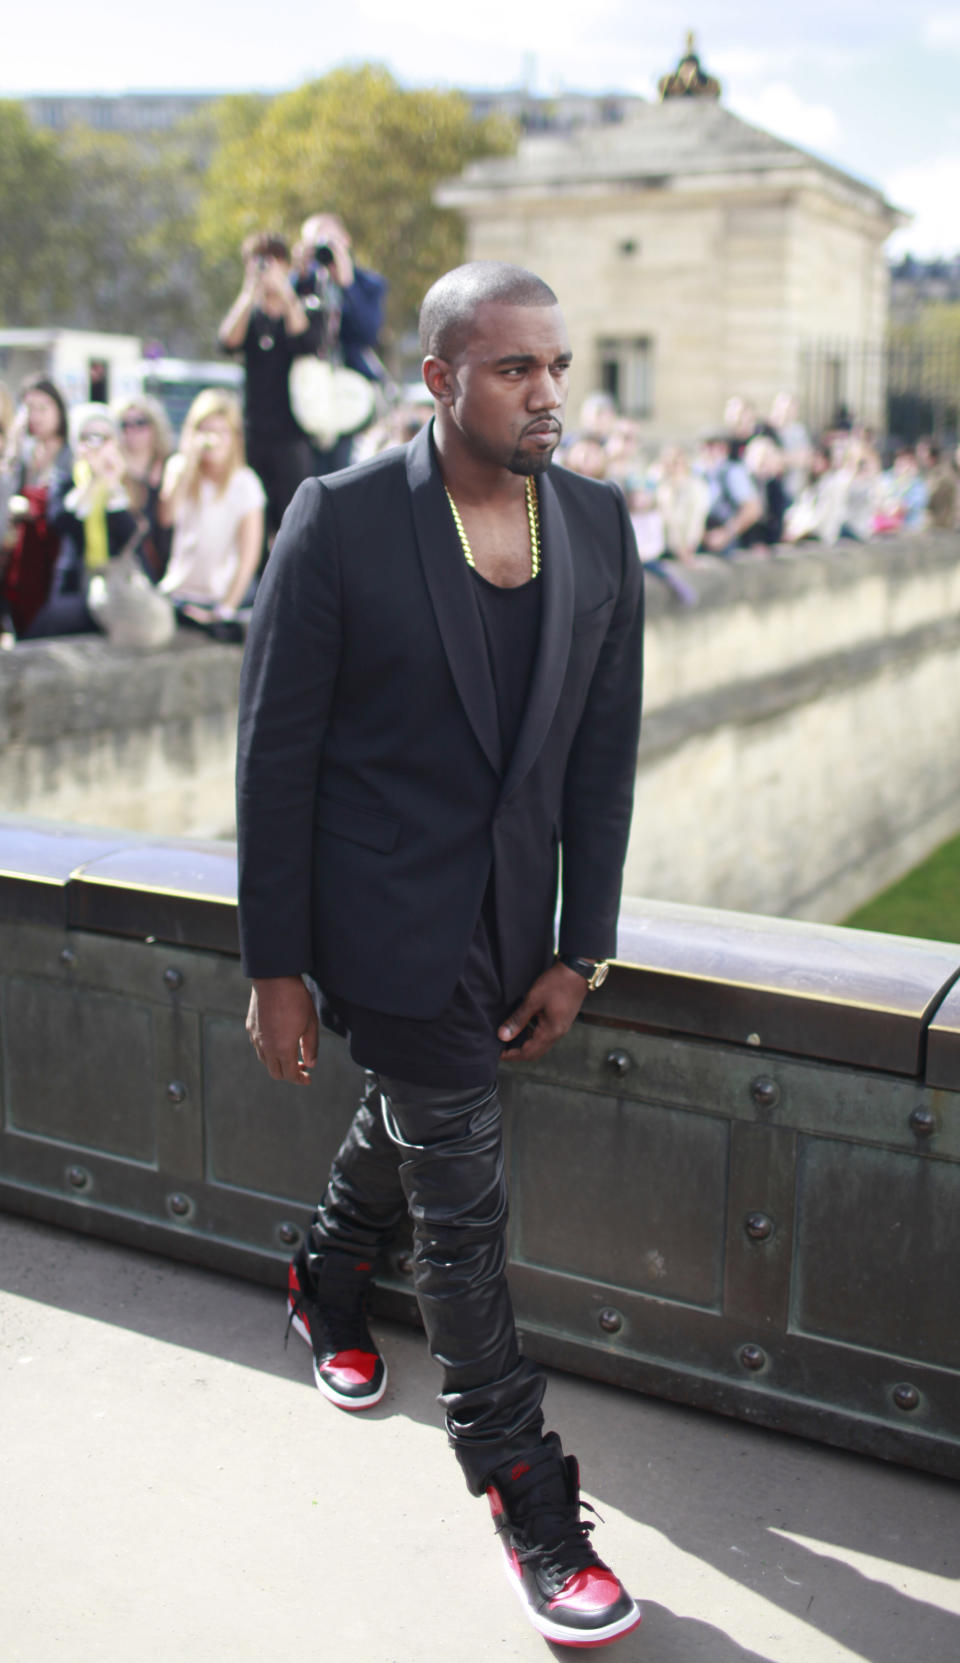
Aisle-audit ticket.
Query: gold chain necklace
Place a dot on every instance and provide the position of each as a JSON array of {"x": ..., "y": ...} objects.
[{"x": 533, "y": 519}]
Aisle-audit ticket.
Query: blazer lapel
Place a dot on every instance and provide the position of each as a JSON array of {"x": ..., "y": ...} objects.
[
  {"x": 556, "y": 626},
  {"x": 448, "y": 581}
]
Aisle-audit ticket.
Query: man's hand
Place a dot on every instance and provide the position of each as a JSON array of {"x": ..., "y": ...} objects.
[
  {"x": 283, "y": 1028},
  {"x": 551, "y": 1006}
]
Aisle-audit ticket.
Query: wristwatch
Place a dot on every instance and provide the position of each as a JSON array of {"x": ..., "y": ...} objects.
[{"x": 593, "y": 971}]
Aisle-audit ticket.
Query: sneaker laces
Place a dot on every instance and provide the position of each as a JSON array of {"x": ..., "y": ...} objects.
[
  {"x": 538, "y": 1505},
  {"x": 337, "y": 1328},
  {"x": 570, "y": 1552}
]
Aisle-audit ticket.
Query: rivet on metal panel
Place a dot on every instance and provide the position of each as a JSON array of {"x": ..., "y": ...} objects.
[
  {"x": 289, "y": 1234},
  {"x": 619, "y": 1062},
  {"x": 180, "y": 1205},
  {"x": 404, "y": 1263},
  {"x": 176, "y": 1092},
  {"x": 172, "y": 979},
  {"x": 923, "y": 1122},
  {"x": 758, "y": 1226},
  {"x": 765, "y": 1092},
  {"x": 752, "y": 1357},
  {"x": 753, "y": 1039},
  {"x": 68, "y": 958},
  {"x": 906, "y": 1398},
  {"x": 610, "y": 1320},
  {"x": 78, "y": 1178}
]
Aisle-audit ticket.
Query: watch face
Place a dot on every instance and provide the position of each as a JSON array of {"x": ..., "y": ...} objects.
[{"x": 599, "y": 976}]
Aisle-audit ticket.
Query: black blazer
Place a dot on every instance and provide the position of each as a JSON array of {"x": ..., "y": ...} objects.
[{"x": 373, "y": 800}]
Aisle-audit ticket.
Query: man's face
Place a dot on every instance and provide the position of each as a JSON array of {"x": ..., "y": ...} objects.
[{"x": 508, "y": 386}]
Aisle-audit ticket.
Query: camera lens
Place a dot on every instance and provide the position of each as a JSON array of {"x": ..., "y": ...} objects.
[{"x": 324, "y": 253}]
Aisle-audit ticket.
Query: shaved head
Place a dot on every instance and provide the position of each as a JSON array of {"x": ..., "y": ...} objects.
[{"x": 448, "y": 311}]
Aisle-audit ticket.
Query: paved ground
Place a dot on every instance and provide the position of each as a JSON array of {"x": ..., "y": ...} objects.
[{"x": 172, "y": 1487}]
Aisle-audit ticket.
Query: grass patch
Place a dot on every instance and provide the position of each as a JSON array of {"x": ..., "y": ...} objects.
[{"x": 925, "y": 903}]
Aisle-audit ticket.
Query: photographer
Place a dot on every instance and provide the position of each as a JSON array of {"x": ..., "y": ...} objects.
[
  {"x": 269, "y": 324},
  {"x": 349, "y": 302}
]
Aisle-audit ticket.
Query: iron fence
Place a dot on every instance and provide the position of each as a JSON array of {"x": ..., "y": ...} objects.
[{"x": 904, "y": 388}]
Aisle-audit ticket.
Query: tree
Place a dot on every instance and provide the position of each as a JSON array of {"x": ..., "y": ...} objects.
[
  {"x": 97, "y": 231},
  {"x": 34, "y": 192},
  {"x": 356, "y": 144},
  {"x": 130, "y": 225}
]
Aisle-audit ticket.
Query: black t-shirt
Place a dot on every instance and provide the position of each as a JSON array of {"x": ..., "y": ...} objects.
[
  {"x": 459, "y": 1049},
  {"x": 511, "y": 627},
  {"x": 268, "y": 352}
]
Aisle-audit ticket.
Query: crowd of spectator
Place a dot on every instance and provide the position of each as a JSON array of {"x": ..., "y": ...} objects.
[
  {"x": 81, "y": 489},
  {"x": 87, "y": 493},
  {"x": 759, "y": 485}
]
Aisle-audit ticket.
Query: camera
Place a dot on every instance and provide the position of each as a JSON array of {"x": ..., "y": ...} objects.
[{"x": 324, "y": 254}]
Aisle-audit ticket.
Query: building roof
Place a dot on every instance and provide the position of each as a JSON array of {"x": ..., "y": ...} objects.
[{"x": 655, "y": 145}]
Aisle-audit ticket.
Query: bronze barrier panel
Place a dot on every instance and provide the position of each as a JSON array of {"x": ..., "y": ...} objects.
[{"x": 736, "y": 1183}]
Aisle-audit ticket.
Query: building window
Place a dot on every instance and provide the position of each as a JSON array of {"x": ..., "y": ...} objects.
[{"x": 626, "y": 373}]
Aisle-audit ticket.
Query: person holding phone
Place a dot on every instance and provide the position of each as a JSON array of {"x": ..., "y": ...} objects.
[
  {"x": 214, "y": 503},
  {"x": 93, "y": 515}
]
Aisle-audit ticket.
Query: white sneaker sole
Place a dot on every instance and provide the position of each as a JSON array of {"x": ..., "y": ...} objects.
[
  {"x": 299, "y": 1327},
  {"x": 563, "y": 1636},
  {"x": 334, "y": 1396}
]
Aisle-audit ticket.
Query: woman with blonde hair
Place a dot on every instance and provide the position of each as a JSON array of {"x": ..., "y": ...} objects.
[
  {"x": 146, "y": 441},
  {"x": 214, "y": 504}
]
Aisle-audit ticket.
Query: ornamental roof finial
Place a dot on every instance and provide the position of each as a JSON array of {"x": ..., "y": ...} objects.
[{"x": 688, "y": 79}]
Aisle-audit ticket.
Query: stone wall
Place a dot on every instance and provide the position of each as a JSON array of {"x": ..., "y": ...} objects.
[
  {"x": 801, "y": 745},
  {"x": 99, "y": 734}
]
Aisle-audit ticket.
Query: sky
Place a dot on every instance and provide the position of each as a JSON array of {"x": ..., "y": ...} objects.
[{"x": 870, "y": 86}]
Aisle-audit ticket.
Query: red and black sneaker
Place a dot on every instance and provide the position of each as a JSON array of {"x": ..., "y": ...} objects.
[
  {"x": 347, "y": 1366},
  {"x": 570, "y": 1596}
]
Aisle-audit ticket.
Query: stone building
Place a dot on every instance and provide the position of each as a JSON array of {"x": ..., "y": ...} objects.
[{"x": 695, "y": 256}]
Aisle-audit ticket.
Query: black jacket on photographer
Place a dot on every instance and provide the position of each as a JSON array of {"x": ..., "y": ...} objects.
[{"x": 351, "y": 317}]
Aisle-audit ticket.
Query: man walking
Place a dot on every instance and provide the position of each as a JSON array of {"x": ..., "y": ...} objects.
[{"x": 441, "y": 691}]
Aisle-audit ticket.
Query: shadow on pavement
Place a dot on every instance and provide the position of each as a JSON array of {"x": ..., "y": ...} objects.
[{"x": 729, "y": 1495}]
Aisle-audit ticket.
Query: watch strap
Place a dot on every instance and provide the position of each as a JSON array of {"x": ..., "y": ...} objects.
[{"x": 593, "y": 971}]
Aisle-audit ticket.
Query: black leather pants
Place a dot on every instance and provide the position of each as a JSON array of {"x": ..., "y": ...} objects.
[{"x": 440, "y": 1154}]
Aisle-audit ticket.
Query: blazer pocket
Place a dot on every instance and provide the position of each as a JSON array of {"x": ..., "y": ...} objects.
[
  {"x": 584, "y": 621},
  {"x": 357, "y": 825}
]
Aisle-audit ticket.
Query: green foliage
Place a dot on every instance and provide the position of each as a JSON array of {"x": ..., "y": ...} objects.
[
  {"x": 140, "y": 234},
  {"x": 938, "y": 322},
  {"x": 925, "y": 903},
  {"x": 135, "y": 265},
  {"x": 356, "y": 144},
  {"x": 34, "y": 192}
]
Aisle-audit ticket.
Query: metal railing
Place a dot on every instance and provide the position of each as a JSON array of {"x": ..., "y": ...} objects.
[{"x": 911, "y": 387}]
